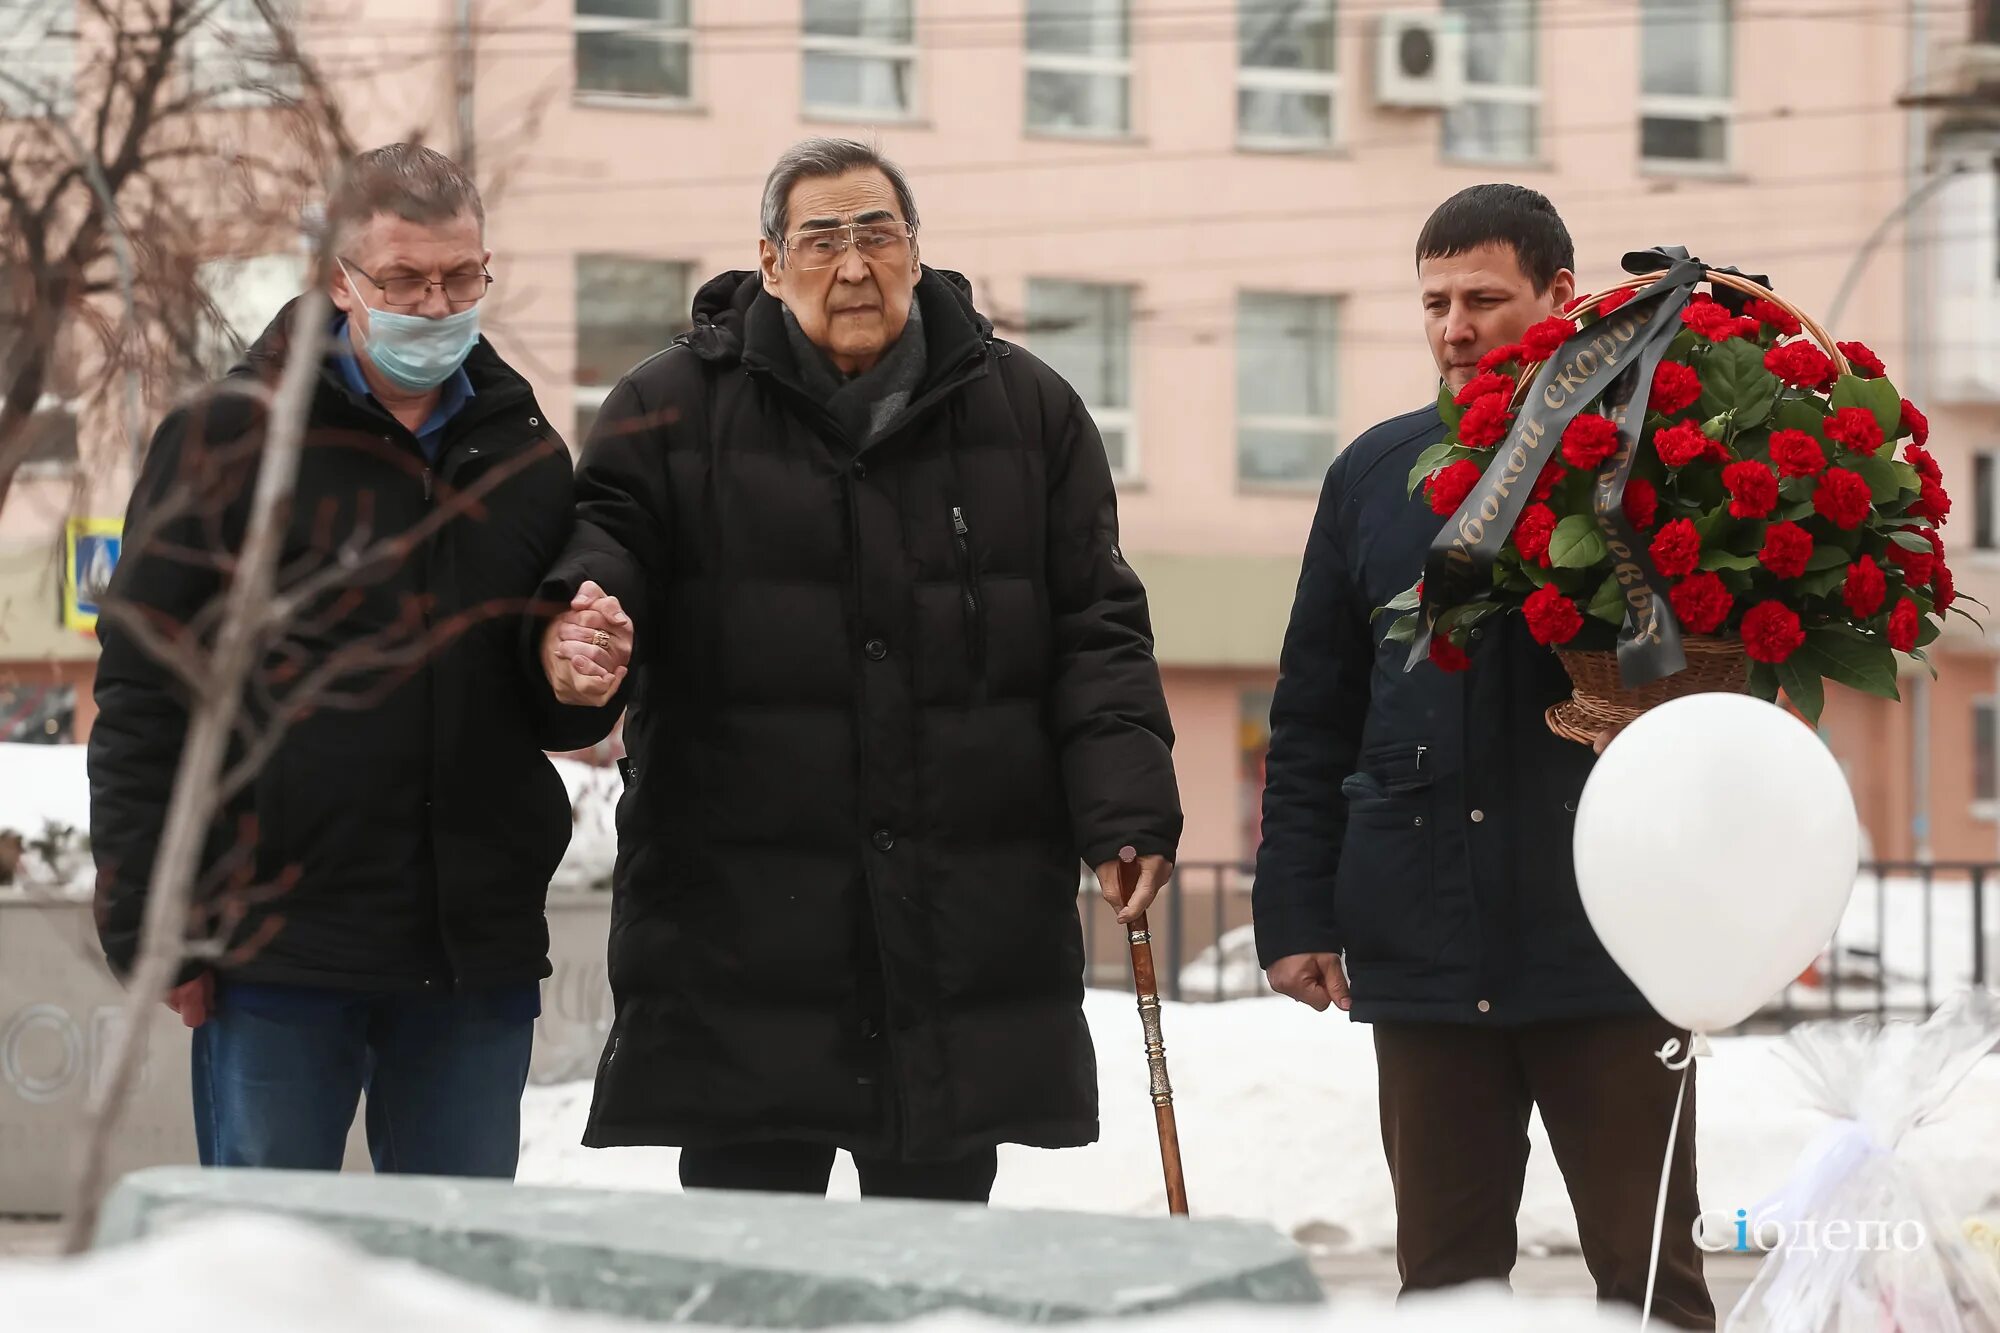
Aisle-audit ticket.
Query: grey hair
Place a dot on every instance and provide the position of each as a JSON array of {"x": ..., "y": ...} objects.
[
  {"x": 407, "y": 180},
  {"x": 815, "y": 159}
]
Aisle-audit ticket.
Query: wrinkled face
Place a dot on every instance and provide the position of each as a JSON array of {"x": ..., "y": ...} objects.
[
  {"x": 392, "y": 251},
  {"x": 853, "y": 304},
  {"x": 1481, "y": 300}
]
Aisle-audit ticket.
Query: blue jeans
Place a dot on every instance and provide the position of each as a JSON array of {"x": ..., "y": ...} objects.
[{"x": 278, "y": 1072}]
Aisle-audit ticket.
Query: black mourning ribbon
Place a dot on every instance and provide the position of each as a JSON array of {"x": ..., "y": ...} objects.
[{"x": 1613, "y": 358}]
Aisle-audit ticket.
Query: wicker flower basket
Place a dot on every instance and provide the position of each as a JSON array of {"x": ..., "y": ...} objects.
[{"x": 1600, "y": 702}]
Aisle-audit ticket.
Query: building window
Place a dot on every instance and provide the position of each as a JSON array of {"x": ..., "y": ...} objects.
[
  {"x": 1084, "y": 330},
  {"x": 1079, "y": 67},
  {"x": 37, "y": 48},
  {"x": 1985, "y": 516},
  {"x": 1986, "y": 22},
  {"x": 244, "y": 296},
  {"x": 635, "y": 48},
  {"x": 1253, "y": 745},
  {"x": 1284, "y": 388},
  {"x": 1500, "y": 118},
  {"x": 860, "y": 57},
  {"x": 1286, "y": 84},
  {"x": 1686, "y": 82},
  {"x": 1986, "y": 757},
  {"x": 627, "y": 308},
  {"x": 37, "y": 715},
  {"x": 231, "y": 57}
]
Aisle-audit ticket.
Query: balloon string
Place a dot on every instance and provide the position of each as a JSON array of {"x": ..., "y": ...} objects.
[{"x": 1666, "y": 1055}]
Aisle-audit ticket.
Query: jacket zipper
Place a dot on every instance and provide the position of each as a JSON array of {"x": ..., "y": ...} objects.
[{"x": 968, "y": 580}]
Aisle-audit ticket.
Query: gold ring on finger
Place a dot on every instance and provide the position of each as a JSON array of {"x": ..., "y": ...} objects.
[{"x": 600, "y": 639}]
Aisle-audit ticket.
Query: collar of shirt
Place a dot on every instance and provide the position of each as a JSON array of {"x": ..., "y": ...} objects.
[{"x": 453, "y": 394}]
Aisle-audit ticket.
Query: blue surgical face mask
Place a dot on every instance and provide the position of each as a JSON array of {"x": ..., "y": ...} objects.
[{"x": 415, "y": 353}]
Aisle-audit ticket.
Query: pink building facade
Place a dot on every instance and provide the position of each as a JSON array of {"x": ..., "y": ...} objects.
[{"x": 1204, "y": 215}]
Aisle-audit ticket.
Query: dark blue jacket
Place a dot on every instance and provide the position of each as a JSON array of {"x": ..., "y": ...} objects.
[{"x": 1419, "y": 822}]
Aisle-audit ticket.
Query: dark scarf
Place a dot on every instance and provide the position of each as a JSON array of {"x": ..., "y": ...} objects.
[{"x": 867, "y": 405}]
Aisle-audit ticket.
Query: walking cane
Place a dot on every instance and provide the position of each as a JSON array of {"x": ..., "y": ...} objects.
[{"x": 1141, "y": 940}]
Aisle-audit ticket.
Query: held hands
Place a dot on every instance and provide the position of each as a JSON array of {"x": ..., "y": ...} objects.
[
  {"x": 1153, "y": 873},
  {"x": 1315, "y": 979},
  {"x": 194, "y": 1000},
  {"x": 587, "y": 649}
]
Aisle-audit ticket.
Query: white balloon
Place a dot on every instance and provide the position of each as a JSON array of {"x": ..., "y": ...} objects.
[{"x": 1716, "y": 849}]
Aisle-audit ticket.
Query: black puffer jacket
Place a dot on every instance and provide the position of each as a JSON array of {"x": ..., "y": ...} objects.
[
  {"x": 882, "y": 704},
  {"x": 421, "y": 819},
  {"x": 1418, "y": 821}
]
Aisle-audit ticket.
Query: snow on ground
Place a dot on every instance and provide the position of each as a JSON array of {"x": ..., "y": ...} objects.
[
  {"x": 239, "y": 1275},
  {"x": 1278, "y": 1121}
]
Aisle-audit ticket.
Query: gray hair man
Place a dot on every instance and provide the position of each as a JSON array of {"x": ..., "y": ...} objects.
[
  {"x": 382, "y": 882},
  {"x": 893, "y": 680}
]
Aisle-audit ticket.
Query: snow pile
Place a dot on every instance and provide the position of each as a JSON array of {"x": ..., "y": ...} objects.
[
  {"x": 1278, "y": 1122},
  {"x": 593, "y": 836},
  {"x": 45, "y": 802},
  {"x": 245, "y": 1275}
]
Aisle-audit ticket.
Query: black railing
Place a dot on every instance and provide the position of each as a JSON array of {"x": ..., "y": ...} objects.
[{"x": 1914, "y": 932}]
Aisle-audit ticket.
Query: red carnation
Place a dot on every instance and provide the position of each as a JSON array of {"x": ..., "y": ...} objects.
[
  {"x": 1676, "y": 550},
  {"x": 1774, "y": 317},
  {"x": 1843, "y": 499},
  {"x": 1914, "y": 423},
  {"x": 1920, "y": 458},
  {"x": 1642, "y": 503},
  {"x": 1448, "y": 486},
  {"x": 1545, "y": 339},
  {"x": 1797, "y": 454},
  {"x": 1787, "y": 547},
  {"x": 1675, "y": 387},
  {"x": 1855, "y": 427},
  {"x": 1753, "y": 489},
  {"x": 1712, "y": 321},
  {"x": 1918, "y": 566},
  {"x": 1934, "y": 503},
  {"x": 1944, "y": 588},
  {"x": 1903, "y": 625},
  {"x": 1800, "y": 364},
  {"x": 1682, "y": 443},
  {"x": 1552, "y": 476},
  {"x": 1532, "y": 533},
  {"x": 1485, "y": 422},
  {"x": 1482, "y": 384},
  {"x": 1610, "y": 301},
  {"x": 1589, "y": 440},
  {"x": 1865, "y": 588},
  {"x": 1552, "y": 618},
  {"x": 1865, "y": 363},
  {"x": 1771, "y": 632},
  {"x": 1448, "y": 656},
  {"x": 1701, "y": 602},
  {"x": 1501, "y": 356}
]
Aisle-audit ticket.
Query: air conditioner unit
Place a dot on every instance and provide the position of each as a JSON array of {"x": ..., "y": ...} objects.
[{"x": 1419, "y": 59}]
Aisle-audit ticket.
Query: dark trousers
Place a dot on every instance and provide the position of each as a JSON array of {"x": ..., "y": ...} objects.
[
  {"x": 1455, "y": 1106},
  {"x": 276, "y": 1084},
  {"x": 805, "y": 1168}
]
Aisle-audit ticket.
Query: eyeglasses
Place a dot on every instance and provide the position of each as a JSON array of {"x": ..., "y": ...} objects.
[
  {"x": 823, "y": 247},
  {"x": 407, "y": 293}
]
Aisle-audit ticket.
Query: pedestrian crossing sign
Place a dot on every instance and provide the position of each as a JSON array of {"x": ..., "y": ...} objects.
[{"x": 90, "y": 553}]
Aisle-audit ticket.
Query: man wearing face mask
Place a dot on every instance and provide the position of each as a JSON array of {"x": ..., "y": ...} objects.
[
  {"x": 894, "y": 681},
  {"x": 379, "y": 887}
]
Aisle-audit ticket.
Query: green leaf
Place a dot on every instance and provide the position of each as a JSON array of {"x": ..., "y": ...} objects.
[
  {"x": 1536, "y": 575},
  {"x": 1927, "y": 632},
  {"x": 1433, "y": 458},
  {"x": 1925, "y": 658},
  {"x": 1734, "y": 381},
  {"x": 1880, "y": 474},
  {"x": 1845, "y": 656},
  {"x": 1712, "y": 524},
  {"x": 1878, "y": 396},
  {"x": 1449, "y": 410},
  {"x": 1804, "y": 414},
  {"x": 1685, "y": 344},
  {"x": 1907, "y": 478},
  {"x": 1609, "y": 603},
  {"x": 1727, "y": 560},
  {"x": 1407, "y": 600},
  {"x": 1404, "y": 630},
  {"x": 1803, "y": 687},
  {"x": 1793, "y": 512},
  {"x": 1764, "y": 681},
  {"x": 1826, "y": 555},
  {"x": 1577, "y": 544},
  {"x": 1820, "y": 583},
  {"x": 1910, "y": 541}
]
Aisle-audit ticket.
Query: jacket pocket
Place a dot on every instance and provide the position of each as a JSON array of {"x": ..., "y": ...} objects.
[
  {"x": 1385, "y": 894},
  {"x": 971, "y": 603}
]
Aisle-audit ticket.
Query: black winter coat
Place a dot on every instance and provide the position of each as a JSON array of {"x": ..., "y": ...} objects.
[
  {"x": 422, "y": 820},
  {"x": 1420, "y": 822},
  {"x": 883, "y": 700}
]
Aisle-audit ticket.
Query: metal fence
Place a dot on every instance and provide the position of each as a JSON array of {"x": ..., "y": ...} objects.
[{"x": 1913, "y": 933}]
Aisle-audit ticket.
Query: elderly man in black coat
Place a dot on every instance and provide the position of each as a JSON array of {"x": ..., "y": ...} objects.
[{"x": 892, "y": 679}]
